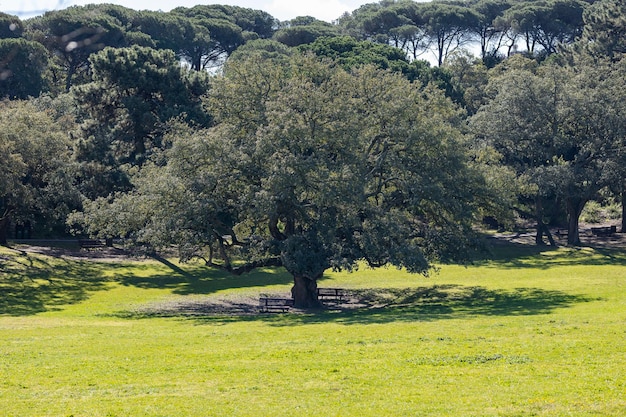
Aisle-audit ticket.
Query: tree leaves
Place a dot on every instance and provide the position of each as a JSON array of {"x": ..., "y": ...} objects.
[{"x": 312, "y": 164}]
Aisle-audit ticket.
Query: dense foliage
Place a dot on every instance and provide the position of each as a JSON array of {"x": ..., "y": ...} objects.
[
  {"x": 247, "y": 141},
  {"x": 310, "y": 167}
]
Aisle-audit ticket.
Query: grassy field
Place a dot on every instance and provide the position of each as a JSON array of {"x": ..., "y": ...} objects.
[{"x": 528, "y": 333}]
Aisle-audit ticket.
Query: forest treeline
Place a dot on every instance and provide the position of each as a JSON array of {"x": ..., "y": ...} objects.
[
  {"x": 51, "y": 52},
  {"x": 246, "y": 141}
]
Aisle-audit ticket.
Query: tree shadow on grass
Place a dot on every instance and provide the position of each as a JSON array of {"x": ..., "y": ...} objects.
[
  {"x": 196, "y": 279},
  {"x": 386, "y": 305},
  {"x": 507, "y": 255},
  {"x": 35, "y": 284},
  {"x": 442, "y": 302}
]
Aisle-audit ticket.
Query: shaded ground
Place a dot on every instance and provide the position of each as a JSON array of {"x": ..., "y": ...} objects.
[
  {"x": 69, "y": 249},
  {"x": 379, "y": 305},
  {"x": 34, "y": 284},
  {"x": 616, "y": 240},
  {"x": 440, "y": 301}
]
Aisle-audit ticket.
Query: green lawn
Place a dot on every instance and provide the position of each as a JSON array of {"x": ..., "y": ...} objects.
[{"x": 527, "y": 334}]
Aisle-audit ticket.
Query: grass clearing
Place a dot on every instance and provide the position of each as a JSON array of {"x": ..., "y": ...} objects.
[{"x": 530, "y": 333}]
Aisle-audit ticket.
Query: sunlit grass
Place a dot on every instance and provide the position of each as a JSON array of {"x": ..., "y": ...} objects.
[{"x": 527, "y": 333}]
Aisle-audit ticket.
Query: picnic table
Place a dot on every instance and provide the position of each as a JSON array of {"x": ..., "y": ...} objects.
[
  {"x": 91, "y": 243},
  {"x": 331, "y": 293},
  {"x": 603, "y": 231},
  {"x": 268, "y": 304}
]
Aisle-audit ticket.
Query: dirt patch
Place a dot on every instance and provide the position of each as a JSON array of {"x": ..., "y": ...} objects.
[
  {"x": 241, "y": 305},
  {"x": 587, "y": 238},
  {"x": 248, "y": 304},
  {"x": 71, "y": 250}
]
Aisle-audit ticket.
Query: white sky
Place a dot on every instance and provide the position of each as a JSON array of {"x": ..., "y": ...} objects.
[{"x": 327, "y": 10}]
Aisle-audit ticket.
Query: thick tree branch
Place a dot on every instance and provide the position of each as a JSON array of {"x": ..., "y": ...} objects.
[{"x": 250, "y": 266}]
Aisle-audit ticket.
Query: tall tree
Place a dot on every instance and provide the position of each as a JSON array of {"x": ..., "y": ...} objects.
[
  {"x": 490, "y": 34},
  {"x": 546, "y": 23},
  {"x": 397, "y": 23},
  {"x": 22, "y": 68},
  {"x": 605, "y": 29},
  {"x": 216, "y": 33},
  {"x": 310, "y": 167},
  {"x": 449, "y": 26},
  {"x": 134, "y": 92},
  {"x": 604, "y": 40},
  {"x": 521, "y": 123},
  {"x": 73, "y": 34}
]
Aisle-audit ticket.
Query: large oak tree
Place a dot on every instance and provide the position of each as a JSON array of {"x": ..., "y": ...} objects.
[{"x": 309, "y": 167}]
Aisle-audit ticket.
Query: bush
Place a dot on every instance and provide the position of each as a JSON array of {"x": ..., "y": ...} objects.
[
  {"x": 595, "y": 212},
  {"x": 592, "y": 213}
]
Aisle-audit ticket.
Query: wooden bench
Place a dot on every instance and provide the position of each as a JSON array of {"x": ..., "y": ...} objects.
[
  {"x": 331, "y": 293},
  {"x": 90, "y": 243},
  {"x": 603, "y": 231},
  {"x": 275, "y": 304}
]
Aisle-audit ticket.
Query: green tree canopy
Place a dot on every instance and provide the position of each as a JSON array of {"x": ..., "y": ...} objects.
[
  {"x": 73, "y": 34},
  {"x": 350, "y": 53},
  {"x": 310, "y": 167},
  {"x": 158, "y": 30},
  {"x": 218, "y": 30},
  {"x": 36, "y": 173},
  {"x": 10, "y": 26},
  {"x": 134, "y": 92},
  {"x": 22, "y": 69},
  {"x": 397, "y": 23},
  {"x": 605, "y": 29},
  {"x": 250, "y": 20},
  {"x": 304, "y": 30},
  {"x": 561, "y": 129}
]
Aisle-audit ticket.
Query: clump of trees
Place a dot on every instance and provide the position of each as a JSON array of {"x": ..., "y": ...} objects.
[
  {"x": 245, "y": 141},
  {"x": 36, "y": 170},
  {"x": 441, "y": 28},
  {"x": 562, "y": 130}
]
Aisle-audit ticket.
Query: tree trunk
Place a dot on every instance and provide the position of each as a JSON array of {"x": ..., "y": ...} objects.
[
  {"x": 71, "y": 70},
  {"x": 542, "y": 228},
  {"x": 539, "y": 219},
  {"x": 304, "y": 293},
  {"x": 546, "y": 231},
  {"x": 623, "y": 211},
  {"x": 4, "y": 230},
  {"x": 574, "y": 208}
]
